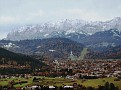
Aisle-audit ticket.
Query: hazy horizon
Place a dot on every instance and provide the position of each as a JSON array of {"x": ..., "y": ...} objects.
[{"x": 16, "y": 13}]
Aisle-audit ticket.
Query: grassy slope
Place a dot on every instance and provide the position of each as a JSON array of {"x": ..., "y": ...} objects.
[{"x": 83, "y": 53}]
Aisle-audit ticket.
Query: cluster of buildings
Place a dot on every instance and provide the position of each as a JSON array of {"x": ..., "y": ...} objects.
[{"x": 92, "y": 68}]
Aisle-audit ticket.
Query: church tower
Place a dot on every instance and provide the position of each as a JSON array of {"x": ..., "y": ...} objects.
[{"x": 72, "y": 57}]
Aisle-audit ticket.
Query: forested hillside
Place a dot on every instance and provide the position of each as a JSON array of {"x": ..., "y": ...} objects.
[
  {"x": 52, "y": 47},
  {"x": 17, "y": 62},
  {"x": 109, "y": 53}
]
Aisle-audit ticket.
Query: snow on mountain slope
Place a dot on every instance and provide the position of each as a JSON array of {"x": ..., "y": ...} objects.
[
  {"x": 10, "y": 45},
  {"x": 63, "y": 28}
]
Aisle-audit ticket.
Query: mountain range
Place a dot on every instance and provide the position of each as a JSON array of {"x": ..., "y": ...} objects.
[
  {"x": 103, "y": 39},
  {"x": 96, "y": 35},
  {"x": 65, "y": 28},
  {"x": 58, "y": 39}
]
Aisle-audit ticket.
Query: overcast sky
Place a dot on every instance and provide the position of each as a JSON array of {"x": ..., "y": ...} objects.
[{"x": 14, "y": 13}]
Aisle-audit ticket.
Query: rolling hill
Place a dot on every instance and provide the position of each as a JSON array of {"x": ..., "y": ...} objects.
[
  {"x": 12, "y": 63},
  {"x": 52, "y": 47}
]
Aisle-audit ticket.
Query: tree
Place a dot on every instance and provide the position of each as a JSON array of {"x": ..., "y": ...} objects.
[
  {"x": 106, "y": 87},
  {"x": 112, "y": 86},
  {"x": 90, "y": 88},
  {"x": 34, "y": 79},
  {"x": 100, "y": 87}
]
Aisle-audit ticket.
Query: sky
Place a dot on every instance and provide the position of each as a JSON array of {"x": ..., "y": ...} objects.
[{"x": 15, "y": 13}]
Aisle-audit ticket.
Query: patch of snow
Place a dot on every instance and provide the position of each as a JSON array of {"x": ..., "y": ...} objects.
[
  {"x": 10, "y": 45},
  {"x": 70, "y": 31},
  {"x": 38, "y": 47},
  {"x": 51, "y": 50},
  {"x": 46, "y": 35}
]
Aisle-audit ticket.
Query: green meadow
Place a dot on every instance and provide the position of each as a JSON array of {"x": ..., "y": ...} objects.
[{"x": 47, "y": 81}]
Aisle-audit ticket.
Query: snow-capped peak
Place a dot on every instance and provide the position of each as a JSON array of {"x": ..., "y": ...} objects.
[{"x": 67, "y": 26}]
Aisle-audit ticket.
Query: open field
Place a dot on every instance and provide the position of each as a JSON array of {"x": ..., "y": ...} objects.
[{"x": 60, "y": 81}]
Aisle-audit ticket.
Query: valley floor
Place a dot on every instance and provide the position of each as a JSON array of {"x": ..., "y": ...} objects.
[{"x": 47, "y": 81}]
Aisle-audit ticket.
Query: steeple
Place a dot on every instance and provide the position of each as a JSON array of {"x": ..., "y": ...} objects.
[
  {"x": 71, "y": 53},
  {"x": 72, "y": 57}
]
